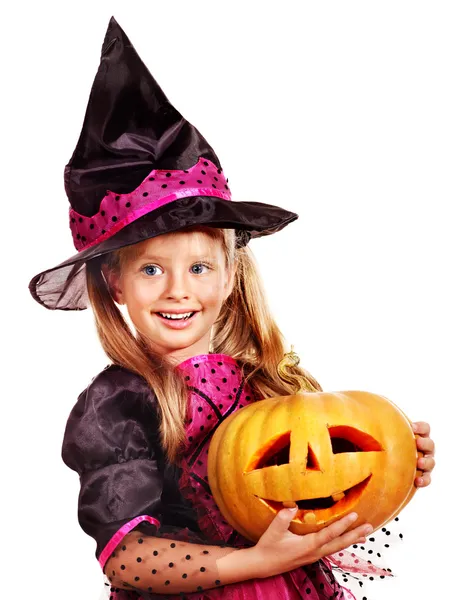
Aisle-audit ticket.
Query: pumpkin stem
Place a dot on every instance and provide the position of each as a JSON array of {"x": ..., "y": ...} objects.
[{"x": 291, "y": 359}]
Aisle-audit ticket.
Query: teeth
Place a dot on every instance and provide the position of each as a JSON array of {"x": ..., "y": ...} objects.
[
  {"x": 338, "y": 496},
  {"x": 171, "y": 316},
  {"x": 310, "y": 518}
]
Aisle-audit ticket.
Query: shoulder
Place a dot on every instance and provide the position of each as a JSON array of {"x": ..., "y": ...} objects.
[
  {"x": 115, "y": 376},
  {"x": 117, "y": 409},
  {"x": 114, "y": 388}
]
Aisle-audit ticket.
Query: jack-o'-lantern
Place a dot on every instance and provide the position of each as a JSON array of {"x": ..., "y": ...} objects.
[{"x": 330, "y": 453}]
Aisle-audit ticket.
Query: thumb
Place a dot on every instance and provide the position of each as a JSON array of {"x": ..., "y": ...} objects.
[{"x": 283, "y": 519}]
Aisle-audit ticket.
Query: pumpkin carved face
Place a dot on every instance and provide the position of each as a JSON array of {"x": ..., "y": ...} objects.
[{"x": 331, "y": 453}]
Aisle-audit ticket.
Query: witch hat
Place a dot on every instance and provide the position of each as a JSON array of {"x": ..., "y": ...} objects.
[{"x": 140, "y": 170}]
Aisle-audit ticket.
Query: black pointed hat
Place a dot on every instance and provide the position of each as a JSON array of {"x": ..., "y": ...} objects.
[{"x": 140, "y": 170}]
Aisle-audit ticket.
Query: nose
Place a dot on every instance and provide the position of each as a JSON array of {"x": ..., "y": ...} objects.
[{"x": 177, "y": 285}]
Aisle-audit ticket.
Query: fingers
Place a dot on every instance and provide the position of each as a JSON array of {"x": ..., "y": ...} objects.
[
  {"x": 426, "y": 464},
  {"x": 426, "y": 445},
  {"x": 282, "y": 520},
  {"x": 421, "y": 428},
  {"x": 347, "y": 539},
  {"x": 329, "y": 533},
  {"x": 423, "y": 481},
  {"x": 332, "y": 538},
  {"x": 287, "y": 514}
]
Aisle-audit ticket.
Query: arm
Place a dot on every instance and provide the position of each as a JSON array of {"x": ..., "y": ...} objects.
[
  {"x": 166, "y": 566},
  {"x": 175, "y": 567},
  {"x": 127, "y": 487},
  {"x": 124, "y": 504}
]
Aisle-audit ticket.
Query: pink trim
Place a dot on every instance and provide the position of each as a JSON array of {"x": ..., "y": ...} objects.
[
  {"x": 120, "y": 534},
  {"x": 206, "y": 357},
  {"x": 157, "y": 189},
  {"x": 133, "y": 216}
]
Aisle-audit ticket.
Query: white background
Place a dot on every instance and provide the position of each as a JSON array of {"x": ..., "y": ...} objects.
[{"x": 352, "y": 114}]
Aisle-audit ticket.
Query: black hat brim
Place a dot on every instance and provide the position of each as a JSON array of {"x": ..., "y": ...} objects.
[{"x": 63, "y": 287}]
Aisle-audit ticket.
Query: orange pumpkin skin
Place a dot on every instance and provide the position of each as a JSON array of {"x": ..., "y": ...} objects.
[{"x": 331, "y": 453}]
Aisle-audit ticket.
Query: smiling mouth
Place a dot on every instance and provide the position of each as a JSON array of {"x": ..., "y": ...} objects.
[
  {"x": 176, "y": 316},
  {"x": 323, "y": 508}
]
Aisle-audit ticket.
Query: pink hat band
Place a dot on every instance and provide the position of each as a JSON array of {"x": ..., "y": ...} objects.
[{"x": 159, "y": 188}]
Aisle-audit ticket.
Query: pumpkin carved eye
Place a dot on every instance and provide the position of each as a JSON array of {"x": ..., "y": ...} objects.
[
  {"x": 277, "y": 453},
  {"x": 343, "y": 439},
  {"x": 349, "y": 439}
]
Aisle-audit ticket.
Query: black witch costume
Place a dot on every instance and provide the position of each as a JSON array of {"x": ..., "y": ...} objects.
[{"x": 140, "y": 170}]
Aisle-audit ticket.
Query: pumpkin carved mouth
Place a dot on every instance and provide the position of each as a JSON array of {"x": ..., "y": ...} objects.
[
  {"x": 321, "y": 509},
  {"x": 276, "y": 454}
]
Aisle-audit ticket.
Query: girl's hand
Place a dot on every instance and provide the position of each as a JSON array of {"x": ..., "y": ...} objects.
[
  {"x": 424, "y": 443},
  {"x": 279, "y": 550}
]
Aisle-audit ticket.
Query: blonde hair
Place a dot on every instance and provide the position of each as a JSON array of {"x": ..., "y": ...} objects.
[{"x": 245, "y": 329}]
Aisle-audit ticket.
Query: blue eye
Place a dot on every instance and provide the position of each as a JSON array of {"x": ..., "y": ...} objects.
[
  {"x": 149, "y": 267},
  {"x": 202, "y": 265}
]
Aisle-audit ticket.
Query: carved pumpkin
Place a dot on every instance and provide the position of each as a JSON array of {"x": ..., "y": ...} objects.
[{"x": 331, "y": 453}]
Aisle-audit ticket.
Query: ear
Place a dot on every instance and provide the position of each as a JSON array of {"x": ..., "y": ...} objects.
[{"x": 113, "y": 283}]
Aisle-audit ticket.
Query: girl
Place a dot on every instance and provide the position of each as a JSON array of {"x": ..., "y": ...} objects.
[{"x": 157, "y": 232}]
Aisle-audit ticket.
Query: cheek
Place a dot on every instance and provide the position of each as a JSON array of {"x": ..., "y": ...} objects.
[
  {"x": 212, "y": 294},
  {"x": 139, "y": 296}
]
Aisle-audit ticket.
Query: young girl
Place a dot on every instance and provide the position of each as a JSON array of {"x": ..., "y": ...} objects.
[{"x": 157, "y": 232}]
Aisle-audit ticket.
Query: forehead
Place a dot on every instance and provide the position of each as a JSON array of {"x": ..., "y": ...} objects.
[{"x": 193, "y": 244}]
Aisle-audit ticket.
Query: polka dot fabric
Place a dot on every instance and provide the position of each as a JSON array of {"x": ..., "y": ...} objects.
[
  {"x": 158, "y": 188},
  {"x": 357, "y": 568},
  {"x": 143, "y": 563},
  {"x": 217, "y": 389}
]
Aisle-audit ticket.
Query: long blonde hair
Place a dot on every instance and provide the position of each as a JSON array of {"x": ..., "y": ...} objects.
[{"x": 245, "y": 329}]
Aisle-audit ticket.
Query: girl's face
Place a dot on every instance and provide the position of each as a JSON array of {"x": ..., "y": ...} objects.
[{"x": 181, "y": 272}]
